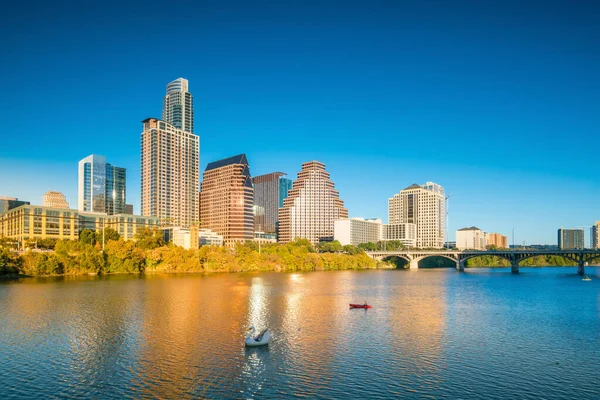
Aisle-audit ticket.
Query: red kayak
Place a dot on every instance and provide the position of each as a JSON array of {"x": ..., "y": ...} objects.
[{"x": 360, "y": 306}]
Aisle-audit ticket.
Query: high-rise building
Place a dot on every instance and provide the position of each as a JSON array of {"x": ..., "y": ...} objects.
[
  {"x": 227, "y": 199},
  {"x": 269, "y": 192},
  {"x": 311, "y": 207},
  {"x": 8, "y": 203},
  {"x": 55, "y": 199},
  {"x": 128, "y": 208},
  {"x": 471, "y": 238},
  {"x": 170, "y": 160},
  {"x": 570, "y": 239},
  {"x": 498, "y": 240},
  {"x": 178, "y": 106},
  {"x": 102, "y": 187},
  {"x": 595, "y": 236},
  {"x": 423, "y": 206}
]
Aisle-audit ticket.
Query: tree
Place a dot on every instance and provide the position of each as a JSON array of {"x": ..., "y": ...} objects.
[
  {"x": 88, "y": 236},
  {"x": 149, "y": 239},
  {"x": 370, "y": 246},
  {"x": 109, "y": 234},
  {"x": 351, "y": 250},
  {"x": 10, "y": 263}
]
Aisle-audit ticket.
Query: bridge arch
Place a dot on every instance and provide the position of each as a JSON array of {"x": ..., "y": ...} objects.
[
  {"x": 425, "y": 256},
  {"x": 506, "y": 257},
  {"x": 568, "y": 257}
]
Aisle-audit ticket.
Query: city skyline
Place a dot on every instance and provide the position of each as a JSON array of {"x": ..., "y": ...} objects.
[{"x": 373, "y": 142}]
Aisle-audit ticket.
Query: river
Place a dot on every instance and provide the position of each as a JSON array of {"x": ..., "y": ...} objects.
[{"x": 481, "y": 334}]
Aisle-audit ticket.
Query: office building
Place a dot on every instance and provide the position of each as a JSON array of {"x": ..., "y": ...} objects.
[
  {"x": 178, "y": 106},
  {"x": 405, "y": 233},
  {"x": 40, "y": 222},
  {"x": 498, "y": 240},
  {"x": 311, "y": 207},
  {"x": 55, "y": 200},
  {"x": 183, "y": 237},
  {"x": 471, "y": 238},
  {"x": 170, "y": 160},
  {"x": 570, "y": 239},
  {"x": 269, "y": 192},
  {"x": 424, "y": 207},
  {"x": 128, "y": 208},
  {"x": 8, "y": 203},
  {"x": 595, "y": 236},
  {"x": 355, "y": 231},
  {"x": 227, "y": 199},
  {"x": 102, "y": 187}
]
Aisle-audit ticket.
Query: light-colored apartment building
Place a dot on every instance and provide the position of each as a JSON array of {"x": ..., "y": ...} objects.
[
  {"x": 471, "y": 238},
  {"x": 422, "y": 205},
  {"x": 311, "y": 207},
  {"x": 355, "y": 231},
  {"x": 55, "y": 200},
  {"x": 227, "y": 199},
  {"x": 405, "y": 233},
  {"x": 39, "y": 222},
  {"x": 170, "y": 162},
  {"x": 498, "y": 240},
  {"x": 595, "y": 236}
]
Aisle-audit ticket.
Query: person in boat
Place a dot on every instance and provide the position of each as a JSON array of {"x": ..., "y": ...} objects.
[{"x": 365, "y": 303}]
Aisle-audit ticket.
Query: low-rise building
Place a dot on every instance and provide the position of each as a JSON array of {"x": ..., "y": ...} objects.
[
  {"x": 471, "y": 238},
  {"x": 38, "y": 222},
  {"x": 8, "y": 203},
  {"x": 402, "y": 232},
  {"x": 182, "y": 237},
  {"x": 355, "y": 231},
  {"x": 498, "y": 240}
]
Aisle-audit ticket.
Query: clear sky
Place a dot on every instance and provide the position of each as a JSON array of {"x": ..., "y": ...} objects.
[{"x": 498, "y": 101}]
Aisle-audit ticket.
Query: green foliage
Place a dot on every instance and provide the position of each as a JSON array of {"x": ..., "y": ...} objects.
[
  {"x": 36, "y": 263},
  {"x": 330, "y": 247},
  {"x": 352, "y": 250},
  {"x": 88, "y": 236},
  {"x": 149, "y": 239},
  {"x": 42, "y": 244},
  {"x": 109, "y": 234},
  {"x": 10, "y": 263},
  {"x": 370, "y": 246}
]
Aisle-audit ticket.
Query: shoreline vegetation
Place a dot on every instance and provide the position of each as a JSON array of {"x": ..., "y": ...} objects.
[{"x": 150, "y": 254}]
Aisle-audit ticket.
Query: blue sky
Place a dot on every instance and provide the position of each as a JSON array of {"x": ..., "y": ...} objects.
[{"x": 495, "y": 100}]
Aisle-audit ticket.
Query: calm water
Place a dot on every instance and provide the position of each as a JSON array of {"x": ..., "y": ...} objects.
[{"x": 484, "y": 334}]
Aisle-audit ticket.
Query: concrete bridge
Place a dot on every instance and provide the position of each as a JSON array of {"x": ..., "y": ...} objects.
[{"x": 581, "y": 257}]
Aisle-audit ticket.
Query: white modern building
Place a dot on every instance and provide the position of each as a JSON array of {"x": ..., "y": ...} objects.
[
  {"x": 178, "y": 106},
  {"x": 422, "y": 205},
  {"x": 405, "y": 233},
  {"x": 183, "y": 237},
  {"x": 355, "y": 231},
  {"x": 101, "y": 186},
  {"x": 471, "y": 238}
]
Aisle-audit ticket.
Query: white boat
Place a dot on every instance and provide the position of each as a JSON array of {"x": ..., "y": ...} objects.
[
  {"x": 586, "y": 278},
  {"x": 261, "y": 339}
]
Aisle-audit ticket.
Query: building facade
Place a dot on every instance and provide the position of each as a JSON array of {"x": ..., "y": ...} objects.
[
  {"x": 571, "y": 239},
  {"x": 8, "y": 203},
  {"x": 55, "y": 199},
  {"x": 595, "y": 236},
  {"x": 311, "y": 207},
  {"x": 170, "y": 160},
  {"x": 405, "y": 233},
  {"x": 471, "y": 238},
  {"x": 269, "y": 192},
  {"x": 178, "y": 106},
  {"x": 227, "y": 199},
  {"x": 424, "y": 207},
  {"x": 102, "y": 186},
  {"x": 39, "y": 222},
  {"x": 498, "y": 240},
  {"x": 355, "y": 231},
  {"x": 184, "y": 237}
]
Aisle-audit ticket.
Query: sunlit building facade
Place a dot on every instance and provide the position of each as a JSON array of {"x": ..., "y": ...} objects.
[
  {"x": 102, "y": 186},
  {"x": 571, "y": 239},
  {"x": 227, "y": 199},
  {"x": 595, "y": 236},
  {"x": 471, "y": 238},
  {"x": 269, "y": 192},
  {"x": 39, "y": 222},
  {"x": 422, "y": 205},
  {"x": 178, "y": 105},
  {"x": 355, "y": 231},
  {"x": 55, "y": 199},
  {"x": 170, "y": 160},
  {"x": 497, "y": 240},
  {"x": 311, "y": 207}
]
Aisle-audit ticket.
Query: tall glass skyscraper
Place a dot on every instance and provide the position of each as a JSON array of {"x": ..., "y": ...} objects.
[
  {"x": 178, "y": 106},
  {"x": 102, "y": 187},
  {"x": 269, "y": 192}
]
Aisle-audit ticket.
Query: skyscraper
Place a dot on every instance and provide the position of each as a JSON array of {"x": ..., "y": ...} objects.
[
  {"x": 170, "y": 161},
  {"x": 178, "y": 106},
  {"x": 423, "y": 206},
  {"x": 311, "y": 207},
  {"x": 102, "y": 187},
  {"x": 570, "y": 239},
  {"x": 595, "y": 235},
  {"x": 226, "y": 199},
  {"x": 269, "y": 192}
]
